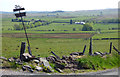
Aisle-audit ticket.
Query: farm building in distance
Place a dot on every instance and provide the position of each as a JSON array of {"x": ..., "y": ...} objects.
[{"x": 82, "y": 23}]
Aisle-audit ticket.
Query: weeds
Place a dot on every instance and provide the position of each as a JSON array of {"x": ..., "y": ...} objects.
[{"x": 97, "y": 62}]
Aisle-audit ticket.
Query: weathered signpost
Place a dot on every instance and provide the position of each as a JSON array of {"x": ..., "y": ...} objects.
[{"x": 21, "y": 14}]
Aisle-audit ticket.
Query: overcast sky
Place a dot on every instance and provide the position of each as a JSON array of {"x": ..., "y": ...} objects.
[{"x": 52, "y": 5}]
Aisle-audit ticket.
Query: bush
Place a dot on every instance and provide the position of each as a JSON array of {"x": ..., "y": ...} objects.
[
  {"x": 18, "y": 27},
  {"x": 70, "y": 21},
  {"x": 87, "y": 27},
  {"x": 98, "y": 62},
  {"x": 74, "y": 29}
]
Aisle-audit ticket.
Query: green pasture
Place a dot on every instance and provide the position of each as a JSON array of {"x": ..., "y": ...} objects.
[
  {"x": 105, "y": 26},
  {"x": 59, "y": 27},
  {"x": 42, "y": 46}
]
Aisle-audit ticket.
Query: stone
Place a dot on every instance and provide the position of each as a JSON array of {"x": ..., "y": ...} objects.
[
  {"x": 26, "y": 57},
  {"x": 55, "y": 55},
  {"x": 12, "y": 59},
  {"x": 64, "y": 61},
  {"x": 60, "y": 65},
  {"x": 97, "y": 53},
  {"x": 31, "y": 70},
  {"x": 59, "y": 70},
  {"x": 63, "y": 57},
  {"x": 74, "y": 56},
  {"x": 36, "y": 61},
  {"x": 81, "y": 53},
  {"x": 78, "y": 56},
  {"x": 74, "y": 70},
  {"x": 47, "y": 65},
  {"x": 27, "y": 66},
  {"x": 18, "y": 60},
  {"x": 3, "y": 58},
  {"x": 39, "y": 68},
  {"x": 74, "y": 53},
  {"x": 51, "y": 59},
  {"x": 71, "y": 58},
  {"x": 23, "y": 68},
  {"x": 45, "y": 62},
  {"x": 105, "y": 53},
  {"x": 59, "y": 61},
  {"x": 49, "y": 70},
  {"x": 20, "y": 63}
]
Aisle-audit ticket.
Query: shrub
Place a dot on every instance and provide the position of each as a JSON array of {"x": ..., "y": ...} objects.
[
  {"x": 74, "y": 29},
  {"x": 18, "y": 27},
  {"x": 98, "y": 62},
  {"x": 87, "y": 27},
  {"x": 70, "y": 21}
]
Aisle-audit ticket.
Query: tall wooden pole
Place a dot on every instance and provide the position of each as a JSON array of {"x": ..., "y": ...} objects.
[{"x": 29, "y": 50}]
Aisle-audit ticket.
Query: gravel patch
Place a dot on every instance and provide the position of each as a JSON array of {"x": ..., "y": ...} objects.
[{"x": 14, "y": 72}]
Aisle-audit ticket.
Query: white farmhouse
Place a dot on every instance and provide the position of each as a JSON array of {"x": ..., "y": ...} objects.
[{"x": 82, "y": 23}]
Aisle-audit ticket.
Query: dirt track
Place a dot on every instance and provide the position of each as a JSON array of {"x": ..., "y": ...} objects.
[
  {"x": 13, "y": 72},
  {"x": 49, "y": 35}
]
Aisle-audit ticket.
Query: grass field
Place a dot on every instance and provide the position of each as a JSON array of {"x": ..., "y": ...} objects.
[
  {"x": 60, "y": 46},
  {"x": 41, "y": 44}
]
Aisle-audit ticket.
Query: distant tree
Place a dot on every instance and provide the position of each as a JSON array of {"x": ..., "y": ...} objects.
[
  {"x": 2, "y": 28},
  {"x": 9, "y": 28},
  {"x": 27, "y": 26},
  {"x": 83, "y": 20},
  {"x": 101, "y": 13},
  {"x": 74, "y": 29},
  {"x": 87, "y": 27},
  {"x": 53, "y": 30},
  {"x": 38, "y": 23},
  {"x": 31, "y": 26},
  {"x": 70, "y": 21},
  {"x": 18, "y": 27}
]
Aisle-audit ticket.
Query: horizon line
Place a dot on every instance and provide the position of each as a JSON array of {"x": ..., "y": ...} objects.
[{"x": 64, "y": 10}]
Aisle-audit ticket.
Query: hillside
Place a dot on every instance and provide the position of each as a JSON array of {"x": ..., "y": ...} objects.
[{"x": 113, "y": 12}]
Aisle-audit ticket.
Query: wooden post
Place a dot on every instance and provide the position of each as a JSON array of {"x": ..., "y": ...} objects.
[
  {"x": 110, "y": 47},
  {"x": 116, "y": 50},
  {"x": 29, "y": 51},
  {"x": 55, "y": 55},
  {"x": 22, "y": 50},
  {"x": 84, "y": 49},
  {"x": 90, "y": 49}
]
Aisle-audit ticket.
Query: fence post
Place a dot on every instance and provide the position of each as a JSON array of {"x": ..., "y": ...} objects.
[
  {"x": 116, "y": 50},
  {"x": 22, "y": 50},
  {"x": 110, "y": 47},
  {"x": 84, "y": 49},
  {"x": 90, "y": 49},
  {"x": 55, "y": 55}
]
